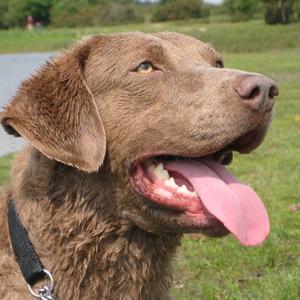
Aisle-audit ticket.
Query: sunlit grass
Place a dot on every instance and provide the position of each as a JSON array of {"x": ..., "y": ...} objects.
[
  {"x": 249, "y": 36},
  {"x": 5, "y": 164}
]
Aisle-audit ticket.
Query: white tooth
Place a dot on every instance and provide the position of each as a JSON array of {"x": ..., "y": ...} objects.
[
  {"x": 183, "y": 189},
  {"x": 160, "y": 172},
  {"x": 160, "y": 166},
  {"x": 164, "y": 175},
  {"x": 193, "y": 193},
  {"x": 151, "y": 168},
  {"x": 171, "y": 183}
]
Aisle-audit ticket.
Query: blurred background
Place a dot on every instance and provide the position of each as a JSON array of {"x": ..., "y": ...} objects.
[
  {"x": 74, "y": 13},
  {"x": 255, "y": 35}
]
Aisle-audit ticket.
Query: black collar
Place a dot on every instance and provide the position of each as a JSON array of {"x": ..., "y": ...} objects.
[{"x": 30, "y": 265}]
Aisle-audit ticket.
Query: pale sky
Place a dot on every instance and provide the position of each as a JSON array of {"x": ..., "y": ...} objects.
[
  {"x": 208, "y": 1},
  {"x": 213, "y": 1}
]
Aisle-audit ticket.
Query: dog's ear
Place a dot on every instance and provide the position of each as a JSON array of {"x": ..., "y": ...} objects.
[{"x": 55, "y": 111}]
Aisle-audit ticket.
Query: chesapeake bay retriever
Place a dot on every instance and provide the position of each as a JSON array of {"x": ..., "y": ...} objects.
[{"x": 127, "y": 137}]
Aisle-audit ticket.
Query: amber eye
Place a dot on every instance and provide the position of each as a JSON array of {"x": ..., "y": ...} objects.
[
  {"x": 145, "y": 68},
  {"x": 219, "y": 64}
]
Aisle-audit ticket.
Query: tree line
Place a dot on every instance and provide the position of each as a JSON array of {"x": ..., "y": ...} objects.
[
  {"x": 75, "y": 13},
  {"x": 274, "y": 11}
]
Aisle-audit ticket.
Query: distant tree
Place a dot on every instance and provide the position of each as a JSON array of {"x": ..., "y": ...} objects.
[
  {"x": 3, "y": 11},
  {"x": 296, "y": 9},
  {"x": 179, "y": 10},
  {"x": 241, "y": 10},
  {"x": 73, "y": 13},
  {"x": 119, "y": 13},
  {"x": 279, "y": 11},
  {"x": 18, "y": 11}
]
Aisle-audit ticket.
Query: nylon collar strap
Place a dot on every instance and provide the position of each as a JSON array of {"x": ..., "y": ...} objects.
[{"x": 27, "y": 259}]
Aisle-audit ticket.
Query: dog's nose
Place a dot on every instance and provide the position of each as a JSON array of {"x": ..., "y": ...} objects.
[{"x": 257, "y": 91}]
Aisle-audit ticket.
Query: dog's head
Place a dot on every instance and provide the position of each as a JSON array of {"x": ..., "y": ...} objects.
[{"x": 163, "y": 112}]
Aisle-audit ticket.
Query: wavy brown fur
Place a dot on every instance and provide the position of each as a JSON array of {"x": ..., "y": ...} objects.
[
  {"x": 87, "y": 115},
  {"x": 91, "y": 253}
]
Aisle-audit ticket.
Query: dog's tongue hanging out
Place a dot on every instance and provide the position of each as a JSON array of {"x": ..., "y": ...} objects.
[{"x": 233, "y": 203}]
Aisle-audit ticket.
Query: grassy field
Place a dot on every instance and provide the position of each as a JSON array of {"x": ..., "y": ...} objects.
[
  {"x": 5, "y": 163},
  {"x": 230, "y": 37},
  {"x": 220, "y": 268}
]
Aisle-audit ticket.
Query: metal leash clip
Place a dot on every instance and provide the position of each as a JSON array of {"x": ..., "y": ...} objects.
[{"x": 45, "y": 292}]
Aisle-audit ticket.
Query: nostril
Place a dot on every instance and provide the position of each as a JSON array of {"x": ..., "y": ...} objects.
[
  {"x": 274, "y": 91},
  {"x": 254, "y": 93}
]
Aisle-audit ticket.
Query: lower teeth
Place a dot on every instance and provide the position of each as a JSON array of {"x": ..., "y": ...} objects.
[{"x": 162, "y": 174}]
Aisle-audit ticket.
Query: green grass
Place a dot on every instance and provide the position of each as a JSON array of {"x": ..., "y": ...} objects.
[
  {"x": 220, "y": 268},
  {"x": 250, "y": 36},
  {"x": 5, "y": 164}
]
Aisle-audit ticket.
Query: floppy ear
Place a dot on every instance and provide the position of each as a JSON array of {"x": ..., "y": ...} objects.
[{"x": 55, "y": 111}]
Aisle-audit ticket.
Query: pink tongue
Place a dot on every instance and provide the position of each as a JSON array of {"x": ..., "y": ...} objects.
[{"x": 235, "y": 204}]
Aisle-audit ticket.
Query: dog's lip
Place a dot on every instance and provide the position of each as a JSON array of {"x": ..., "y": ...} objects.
[
  {"x": 249, "y": 141},
  {"x": 243, "y": 144},
  {"x": 145, "y": 156}
]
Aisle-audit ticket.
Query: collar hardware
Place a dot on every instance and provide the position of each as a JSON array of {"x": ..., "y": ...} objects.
[{"x": 29, "y": 263}]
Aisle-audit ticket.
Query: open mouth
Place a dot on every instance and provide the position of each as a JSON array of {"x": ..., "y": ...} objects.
[{"x": 204, "y": 191}]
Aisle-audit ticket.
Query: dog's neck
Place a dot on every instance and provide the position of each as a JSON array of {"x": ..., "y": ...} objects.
[{"x": 91, "y": 252}]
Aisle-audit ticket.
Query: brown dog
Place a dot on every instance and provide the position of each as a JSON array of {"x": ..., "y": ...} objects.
[{"x": 126, "y": 135}]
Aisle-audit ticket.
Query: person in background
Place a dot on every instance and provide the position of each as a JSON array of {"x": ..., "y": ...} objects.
[{"x": 30, "y": 23}]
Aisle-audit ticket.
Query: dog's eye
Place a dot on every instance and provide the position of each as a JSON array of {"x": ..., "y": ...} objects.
[
  {"x": 145, "y": 68},
  {"x": 219, "y": 64}
]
